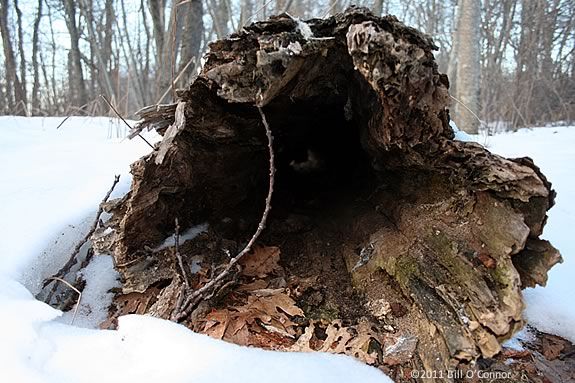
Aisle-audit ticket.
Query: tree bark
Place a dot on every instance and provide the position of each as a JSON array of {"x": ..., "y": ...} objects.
[
  {"x": 378, "y": 7},
  {"x": 24, "y": 96},
  {"x": 75, "y": 71},
  {"x": 394, "y": 206},
  {"x": 35, "y": 66},
  {"x": 468, "y": 66},
  {"x": 14, "y": 88},
  {"x": 192, "y": 35}
]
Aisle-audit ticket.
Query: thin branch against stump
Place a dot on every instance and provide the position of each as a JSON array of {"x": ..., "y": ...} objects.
[
  {"x": 210, "y": 287},
  {"x": 124, "y": 120},
  {"x": 73, "y": 258},
  {"x": 178, "y": 255}
]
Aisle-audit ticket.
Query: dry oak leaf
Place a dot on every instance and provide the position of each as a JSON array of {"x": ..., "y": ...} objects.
[
  {"x": 552, "y": 346},
  {"x": 217, "y": 323},
  {"x": 271, "y": 312},
  {"x": 339, "y": 340},
  {"x": 227, "y": 325},
  {"x": 271, "y": 303},
  {"x": 261, "y": 261},
  {"x": 241, "y": 325}
]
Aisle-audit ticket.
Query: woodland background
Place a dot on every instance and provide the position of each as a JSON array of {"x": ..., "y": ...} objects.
[{"x": 511, "y": 62}]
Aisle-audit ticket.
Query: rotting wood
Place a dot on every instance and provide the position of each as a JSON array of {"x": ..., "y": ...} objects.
[{"x": 368, "y": 171}]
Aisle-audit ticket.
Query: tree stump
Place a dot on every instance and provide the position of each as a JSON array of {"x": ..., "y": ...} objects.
[{"x": 374, "y": 198}]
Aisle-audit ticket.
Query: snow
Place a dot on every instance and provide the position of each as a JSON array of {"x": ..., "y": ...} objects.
[
  {"x": 100, "y": 277},
  {"x": 551, "y": 309},
  {"x": 191, "y": 233},
  {"x": 52, "y": 181},
  {"x": 460, "y": 135},
  {"x": 520, "y": 338}
]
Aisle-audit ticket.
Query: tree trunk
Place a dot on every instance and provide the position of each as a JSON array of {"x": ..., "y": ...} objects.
[
  {"x": 378, "y": 7},
  {"x": 192, "y": 35},
  {"x": 468, "y": 66},
  {"x": 35, "y": 65},
  {"x": 373, "y": 199},
  {"x": 100, "y": 48},
  {"x": 14, "y": 88},
  {"x": 157, "y": 11},
  {"x": 75, "y": 72},
  {"x": 24, "y": 96}
]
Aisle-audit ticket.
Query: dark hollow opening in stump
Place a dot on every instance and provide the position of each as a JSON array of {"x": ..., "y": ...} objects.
[{"x": 319, "y": 157}]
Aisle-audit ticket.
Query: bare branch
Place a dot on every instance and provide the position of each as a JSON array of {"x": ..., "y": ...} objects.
[
  {"x": 73, "y": 258},
  {"x": 125, "y": 122},
  {"x": 210, "y": 287},
  {"x": 178, "y": 255}
]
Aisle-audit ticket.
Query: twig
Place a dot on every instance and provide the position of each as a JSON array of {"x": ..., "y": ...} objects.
[
  {"x": 63, "y": 121},
  {"x": 209, "y": 288},
  {"x": 73, "y": 288},
  {"x": 178, "y": 255},
  {"x": 72, "y": 260},
  {"x": 469, "y": 110},
  {"x": 122, "y": 118},
  {"x": 182, "y": 71},
  {"x": 255, "y": 14},
  {"x": 329, "y": 9}
]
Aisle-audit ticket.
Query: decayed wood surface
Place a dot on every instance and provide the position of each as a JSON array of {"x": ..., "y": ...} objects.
[{"x": 462, "y": 225}]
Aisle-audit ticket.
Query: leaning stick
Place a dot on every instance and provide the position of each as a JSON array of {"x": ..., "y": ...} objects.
[
  {"x": 73, "y": 258},
  {"x": 190, "y": 303}
]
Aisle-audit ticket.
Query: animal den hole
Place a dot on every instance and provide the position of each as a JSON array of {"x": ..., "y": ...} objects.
[
  {"x": 323, "y": 210},
  {"x": 319, "y": 158}
]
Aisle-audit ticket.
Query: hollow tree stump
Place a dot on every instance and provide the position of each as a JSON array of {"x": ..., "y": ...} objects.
[{"x": 446, "y": 227}]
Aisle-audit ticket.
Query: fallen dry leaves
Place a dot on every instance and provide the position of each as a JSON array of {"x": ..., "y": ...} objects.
[
  {"x": 261, "y": 261},
  {"x": 339, "y": 339},
  {"x": 245, "y": 324},
  {"x": 263, "y": 318},
  {"x": 261, "y": 314}
]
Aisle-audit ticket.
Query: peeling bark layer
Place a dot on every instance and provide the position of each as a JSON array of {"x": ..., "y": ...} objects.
[{"x": 357, "y": 108}]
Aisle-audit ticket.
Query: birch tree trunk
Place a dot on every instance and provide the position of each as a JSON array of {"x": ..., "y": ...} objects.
[{"x": 468, "y": 66}]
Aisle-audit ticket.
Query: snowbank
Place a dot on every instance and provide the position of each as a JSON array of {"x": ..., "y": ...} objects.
[
  {"x": 52, "y": 181},
  {"x": 551, "y": 309}
]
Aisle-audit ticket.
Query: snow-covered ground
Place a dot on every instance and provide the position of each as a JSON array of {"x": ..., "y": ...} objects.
[
  {"x": 550, "y": 309},
  {"x": 51, "y": 181}
]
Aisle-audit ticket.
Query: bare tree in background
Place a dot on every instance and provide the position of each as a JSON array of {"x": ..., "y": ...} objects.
[
  {"x": 132, "y": 51},
  {"x": 15, "y": 88},
  {"x": 35, "y": 66},
  {"x": 78, "y": 93},
  {"x": 192, "y": 33},
  {"x": 24, "y": 103},
  {"x": 378, "y": 7},
  {"x": 468, "y": 66}
]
